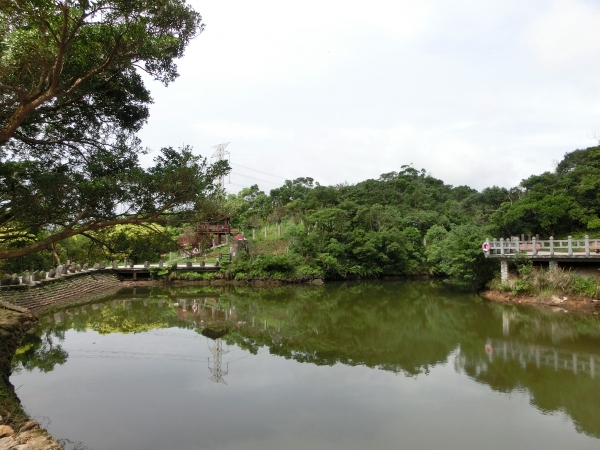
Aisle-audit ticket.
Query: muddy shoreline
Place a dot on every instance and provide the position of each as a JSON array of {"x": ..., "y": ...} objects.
[{"x": 558, "y": 303}]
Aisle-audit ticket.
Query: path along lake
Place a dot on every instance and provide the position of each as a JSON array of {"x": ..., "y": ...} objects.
[{"x": 375, "y": 365}]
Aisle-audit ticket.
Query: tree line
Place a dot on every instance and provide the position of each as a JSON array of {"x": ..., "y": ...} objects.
[{"x": 410, "y": 223}]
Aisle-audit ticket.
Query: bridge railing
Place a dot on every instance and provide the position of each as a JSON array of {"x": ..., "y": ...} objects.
[{"x": 550, "y": 247}]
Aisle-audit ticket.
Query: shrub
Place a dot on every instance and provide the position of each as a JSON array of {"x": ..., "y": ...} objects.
[
  {"x": 279, "y": 267},
  {"x": 585, "y": 286},
  {"x": 195, "y": 276}
]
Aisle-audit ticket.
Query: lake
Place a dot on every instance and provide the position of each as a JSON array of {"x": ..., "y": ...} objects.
[{"x": 378, "y": 365}]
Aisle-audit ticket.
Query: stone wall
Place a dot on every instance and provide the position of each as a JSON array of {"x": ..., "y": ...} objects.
[{"x": 75, "y": 288}]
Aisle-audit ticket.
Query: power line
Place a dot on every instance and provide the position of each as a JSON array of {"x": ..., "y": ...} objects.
[
  {"x": 259, "y": 171},
  {"x": 248, "y": 176}
]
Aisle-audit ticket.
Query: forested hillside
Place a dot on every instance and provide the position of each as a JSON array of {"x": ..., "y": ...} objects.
[{"x": 403, "y": 223}]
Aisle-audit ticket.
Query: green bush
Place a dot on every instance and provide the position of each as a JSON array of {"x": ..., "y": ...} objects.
[
  {"x": 522, "y": 286},
  {"x": 279, "y": 267},
  {"x": 195, "y": 276},
  {"x": 585, "y": 286}
]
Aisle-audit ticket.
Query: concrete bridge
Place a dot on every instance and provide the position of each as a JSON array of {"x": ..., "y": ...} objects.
[
  {"x": 143, "y": 270},
  {"x": 550, "y": 250}
]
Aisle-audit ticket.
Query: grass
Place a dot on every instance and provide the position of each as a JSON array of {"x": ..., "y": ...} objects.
[{"x": 547, "y": 282}]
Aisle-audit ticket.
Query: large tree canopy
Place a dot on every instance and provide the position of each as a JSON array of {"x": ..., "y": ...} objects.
[
  {"x": 40, "y": 207},
  {"x": 69, "y": 69},
  {"x": 71, "y": 100},
  {"x": 559, "y": 203}
]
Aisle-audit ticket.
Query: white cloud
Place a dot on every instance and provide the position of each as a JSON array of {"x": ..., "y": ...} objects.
[
  {"x": 228, "y": 130},
  {"x": 476, "y": 92},
  {"x": 269, "y": 40},
  {"x": 566, "y": 36}
]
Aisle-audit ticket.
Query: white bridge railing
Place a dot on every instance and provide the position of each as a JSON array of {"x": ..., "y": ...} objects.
[{"x": 551, "y": 247}]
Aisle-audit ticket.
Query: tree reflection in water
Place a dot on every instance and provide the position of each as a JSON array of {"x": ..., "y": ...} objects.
[{"x": 403, "y": 327}]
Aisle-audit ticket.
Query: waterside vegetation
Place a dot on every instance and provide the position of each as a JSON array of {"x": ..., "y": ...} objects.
[
  {"x": 72, "y": 186},
  {"x": 405, "y": 223}
]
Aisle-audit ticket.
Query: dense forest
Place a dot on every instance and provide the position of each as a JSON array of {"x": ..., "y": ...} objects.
[{"x": 403, "y": 223}]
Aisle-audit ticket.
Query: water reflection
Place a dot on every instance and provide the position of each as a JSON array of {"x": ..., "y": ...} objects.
[{"x": 400, "y": 327}]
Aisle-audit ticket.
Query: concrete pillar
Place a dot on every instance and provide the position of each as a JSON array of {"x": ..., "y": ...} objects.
[
  {"x": 587, "y": 245},
  {"x": 570, "y": 246},
  {"x": 504, "y": 271},
  {"x": 575, "y": 363},
  {"x": 592, "y": 368},
  {"x": 553, "y": 265},
  {"x": 265, "y": 231},
  {"x": 551, "y": 245},
  {"x": 533, "y": 246},
  {"x": 502, "y": 246}
]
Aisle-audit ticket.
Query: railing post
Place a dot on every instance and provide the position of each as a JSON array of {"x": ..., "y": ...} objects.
[
  {"x": 570, "y": 246},
  {"x": 487, "y": 241},
  {"x": 533, "y": 246},
  {"x": 517, "y": 244},
  {"x": 551, "y": 245},
  {"x": 502, "y": 246},
  {"x": 494, "y": 241},
  {"x": 587, "y": 245}
]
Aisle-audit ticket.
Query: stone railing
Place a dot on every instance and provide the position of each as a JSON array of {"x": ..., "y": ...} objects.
[
  {"x": 550, "y": 247},
  {"x": 39, "y": 276}
]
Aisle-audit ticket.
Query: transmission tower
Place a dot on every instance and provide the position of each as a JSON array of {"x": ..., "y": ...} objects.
[
  {"x": 217, "y": 371},
  {"x": 219, "y": 155}
]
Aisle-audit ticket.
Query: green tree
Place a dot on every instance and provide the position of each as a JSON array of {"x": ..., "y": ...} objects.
[
  {"x": 71, "y": 100},
  {"x": 45, "y": 207},
  {"x": 69, "y": 69},
  {"x": 458, "y": 255}
]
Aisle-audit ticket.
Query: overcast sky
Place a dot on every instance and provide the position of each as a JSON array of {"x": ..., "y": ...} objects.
[{"x": 476, "y": 92}]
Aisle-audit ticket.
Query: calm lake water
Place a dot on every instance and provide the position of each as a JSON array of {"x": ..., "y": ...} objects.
[{"x": 381, "y": 365}]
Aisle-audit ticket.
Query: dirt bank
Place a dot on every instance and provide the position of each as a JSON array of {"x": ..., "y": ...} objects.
[
  {"x": 557, "y": 302},
  {"x": 17, "y": 431}
]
